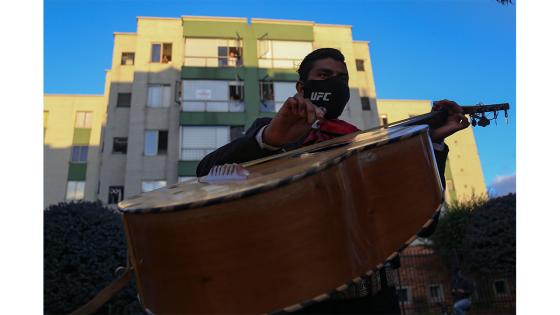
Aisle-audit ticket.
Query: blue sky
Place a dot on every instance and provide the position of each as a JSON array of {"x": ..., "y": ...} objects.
[{"x": 462, "y": 50}]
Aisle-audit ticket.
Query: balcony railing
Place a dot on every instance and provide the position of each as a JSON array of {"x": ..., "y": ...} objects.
[
  {"x": 279, "y": 63},
  {"x": 212, "y": 61},
  {"x": 213, "y": 106}
]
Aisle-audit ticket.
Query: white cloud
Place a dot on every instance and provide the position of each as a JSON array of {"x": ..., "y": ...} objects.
[{"x": 502, "y": 185}]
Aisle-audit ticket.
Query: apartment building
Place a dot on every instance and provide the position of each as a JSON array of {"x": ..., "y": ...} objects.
[
  {"x": 71, "y": 145},
  {"x": 178, "y": 88}
]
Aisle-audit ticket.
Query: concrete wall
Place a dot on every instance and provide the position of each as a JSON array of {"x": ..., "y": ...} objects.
[
  {"x": 366, "y": 83},
  {"x": 131, "y": 169}
]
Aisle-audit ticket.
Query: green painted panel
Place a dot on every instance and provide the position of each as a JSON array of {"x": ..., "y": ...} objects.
[
  {"x": 279, "y": 74},
  {"x": 77, "y": 171},
  {"x": 210, "y": 29},
  {"x": 213, "y": 118},
  {"x": 187, "y": 168},
  {"x": 211, "y": 73},
  {"x": 244, "y": 73},
  {"x": 266, "y": 114},
  {"x": 283, "y": 32},
  {"x": 81, "y": 136}
]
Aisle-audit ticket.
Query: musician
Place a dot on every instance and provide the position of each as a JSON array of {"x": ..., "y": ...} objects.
[
  {"x": 300, "y": 122},
  {"x": 310, "y": 117}
]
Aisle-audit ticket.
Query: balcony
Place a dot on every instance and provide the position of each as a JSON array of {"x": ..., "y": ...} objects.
[
  {"x": 233, "y": 106},
  {"x": 216, "y": 62},
  {"x": 279, "y": 63}
]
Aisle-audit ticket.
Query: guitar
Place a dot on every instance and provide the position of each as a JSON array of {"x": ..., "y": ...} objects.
[{"x": 291, "y": 229}]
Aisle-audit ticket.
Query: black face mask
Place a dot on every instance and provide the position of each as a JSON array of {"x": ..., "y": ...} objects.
[{"x": 332, "y": 94}]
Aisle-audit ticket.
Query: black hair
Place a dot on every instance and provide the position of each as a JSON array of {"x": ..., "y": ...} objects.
[{"x": 322, "y": 53}]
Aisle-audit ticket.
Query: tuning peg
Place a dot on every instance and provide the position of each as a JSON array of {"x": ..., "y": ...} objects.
[
  {"x": 506, "y": 114},
  {"x": 483, "y": 121},
  {"x": 473, "y": 122}
]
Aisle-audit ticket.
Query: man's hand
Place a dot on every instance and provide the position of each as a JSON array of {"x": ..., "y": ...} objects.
[
  {"x": 455, "y": 120},
  {"x": 292, "y": 122}
]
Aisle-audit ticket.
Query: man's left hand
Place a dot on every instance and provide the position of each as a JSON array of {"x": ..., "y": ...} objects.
[{"x": 456, "y": 120}]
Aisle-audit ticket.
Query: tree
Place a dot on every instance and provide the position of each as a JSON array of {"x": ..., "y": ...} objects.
[
  {"x": 453, "y": 222},
  {"x": 489, "y": 241},
  {"x": 504, "y": 2}
]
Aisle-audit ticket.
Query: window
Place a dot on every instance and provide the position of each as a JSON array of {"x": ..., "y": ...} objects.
[
  {"x": 266, "y": 90},
  {"x": 213, "y": 52},
  {"x": 155, "y": 142},
  {"x": 152, "y": 185},
  {"x": 127, "y": 59},
  {"x": 159, "y": 95},
  {"x": 236, "y": 96},
  {"x": 404, "y": 294},
  {"x": 124, "y": 99},
  {"x": 365, "y": 103},
  {"x": 435, "y": 293},
  {"x": 282, "y": 54},
  {"x": 161, "y": 52},
  {"x": 75, "y": 190},
  {"x": 360, "y": 65},
  {"x": 120, "y": 145},
  {"x": 198, "y": 141},
  {"x": 83, "y": 120},
  {"x": 79, "y": 154},
  {"x": 384, "y": 120},
  {"x": 229, "y": 56},
  {"x": 274, "y": 94},
  {"x": 116, "y": 194},
  {"x": 236, "y": 91},
  {"x": 500, "y": 287},
  {"x": 162, "y": 142},
  {"x": 213, "y": 96},
  {"x": 45, "y": 120}
]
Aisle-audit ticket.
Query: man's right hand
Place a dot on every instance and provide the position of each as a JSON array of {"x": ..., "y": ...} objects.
[{"x": 292, "y": 121}]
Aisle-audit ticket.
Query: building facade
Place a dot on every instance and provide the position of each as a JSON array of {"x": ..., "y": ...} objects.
[
  {"x": 178, "y": 88},
  {"x": 71, "y": 145}
]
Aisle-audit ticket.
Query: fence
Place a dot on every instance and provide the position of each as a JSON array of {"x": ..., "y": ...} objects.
[{"x": 425, "y": 285}]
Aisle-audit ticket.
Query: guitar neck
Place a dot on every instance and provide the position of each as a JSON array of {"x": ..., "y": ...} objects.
[
  {"x": 472, "y": 109},
  {"x": 437, "y": 118}
]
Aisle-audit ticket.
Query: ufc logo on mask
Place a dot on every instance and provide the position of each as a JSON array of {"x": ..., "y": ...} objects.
[{"x": 317, "y": 96}]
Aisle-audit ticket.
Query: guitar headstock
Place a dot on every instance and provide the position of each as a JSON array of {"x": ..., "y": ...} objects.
[{"x": 478, "y": 112}]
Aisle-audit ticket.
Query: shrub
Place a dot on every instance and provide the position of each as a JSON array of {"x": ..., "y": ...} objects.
[
  {"x": 490, "y": 237},
  {"x": 452, "y": 225},
  {"x": 83, "y": 244}
]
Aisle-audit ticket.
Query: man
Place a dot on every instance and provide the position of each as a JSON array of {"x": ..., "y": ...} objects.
[
  {"x": 461, "y": 290},
  {"x": 311, "y": 117},
  {"x": 292, "y": 126}
]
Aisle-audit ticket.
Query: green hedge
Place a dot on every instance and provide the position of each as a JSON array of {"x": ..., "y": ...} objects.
[{"x": 84, "y": 243}]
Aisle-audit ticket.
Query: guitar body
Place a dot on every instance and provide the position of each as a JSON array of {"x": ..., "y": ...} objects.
[{"x": 303, "y": 224}]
